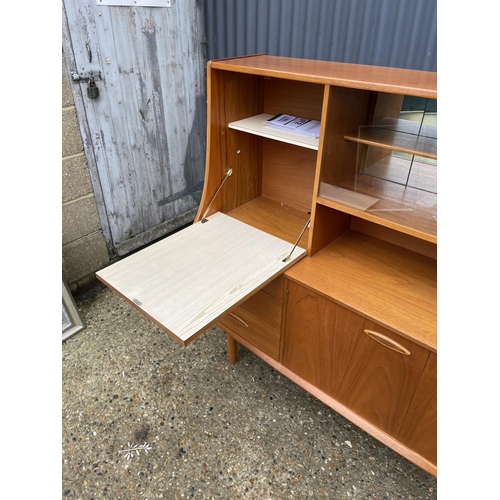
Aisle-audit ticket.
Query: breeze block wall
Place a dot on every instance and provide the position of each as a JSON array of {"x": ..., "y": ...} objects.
[{"x": 84, "y": 249}]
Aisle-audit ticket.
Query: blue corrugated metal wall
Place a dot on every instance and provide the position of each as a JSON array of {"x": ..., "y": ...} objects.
[{"x": 397, "y": 33}]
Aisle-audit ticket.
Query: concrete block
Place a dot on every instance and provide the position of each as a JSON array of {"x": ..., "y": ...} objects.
[
  {"x": 71, "y": 138},
  {"x": 79, "y": 219},
  {"x": 67, "y": 95},
  {"x": 75, "y": 178},
  {"x": 84, "y": 256}
]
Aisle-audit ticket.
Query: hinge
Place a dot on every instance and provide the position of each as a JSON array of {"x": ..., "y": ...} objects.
[{"x": 286, "y": 297}]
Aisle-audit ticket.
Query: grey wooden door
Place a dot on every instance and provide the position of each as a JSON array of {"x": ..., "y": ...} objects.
[{"x": 144, "y": 136}]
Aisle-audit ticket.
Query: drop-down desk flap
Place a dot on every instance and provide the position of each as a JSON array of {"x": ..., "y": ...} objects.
[{"x": 187, "y": 280}]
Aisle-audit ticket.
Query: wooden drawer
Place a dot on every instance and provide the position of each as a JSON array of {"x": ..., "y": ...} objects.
[
  {"x": 257, "y": 320},
  {"x": 370, "y": 370}
]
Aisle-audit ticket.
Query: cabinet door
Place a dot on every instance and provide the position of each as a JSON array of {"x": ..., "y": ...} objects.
[
  {"x": 419, "y": 430},
  {"x": 370, "y": 370},
  {"x": 308, "y": 344}
]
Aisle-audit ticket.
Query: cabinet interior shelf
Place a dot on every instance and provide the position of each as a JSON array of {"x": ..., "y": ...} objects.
[
  {"x": 399, "y": 135},
  {"x": 255, "y": 125},
  {"x": 274, "y": 218},
  {"x": 405, "y": 209}
]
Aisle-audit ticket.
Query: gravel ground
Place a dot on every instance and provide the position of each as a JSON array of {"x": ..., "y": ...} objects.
[{"x": 207, "y": 429}]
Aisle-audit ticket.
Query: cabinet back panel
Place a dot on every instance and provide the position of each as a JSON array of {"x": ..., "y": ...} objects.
[
  {"x": 241, "y": 95},
  {"x": 302, "y": 99},
  {"x": 397, "y": 238},
  {"x": 288, "y": 174}
]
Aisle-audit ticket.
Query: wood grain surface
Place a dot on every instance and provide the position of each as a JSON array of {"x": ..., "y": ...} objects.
[
  {"x": 380, "y": 281},
  {"x": 358, "y": 76}
]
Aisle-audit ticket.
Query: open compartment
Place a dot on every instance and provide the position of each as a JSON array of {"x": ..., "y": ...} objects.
[
  {"x": 387, "y": 169},
  {"x": 272, "y": 181}
]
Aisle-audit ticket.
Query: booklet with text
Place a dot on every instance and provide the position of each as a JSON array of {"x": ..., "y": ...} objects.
[{"x": 294, "y": 124}]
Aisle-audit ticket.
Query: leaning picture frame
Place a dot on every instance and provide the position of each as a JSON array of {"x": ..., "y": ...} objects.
[{"x": 71, "y": 321}]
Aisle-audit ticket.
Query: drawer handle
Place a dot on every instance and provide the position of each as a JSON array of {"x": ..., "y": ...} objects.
[
  {"x": 238, "y": 320},
  {"x": 387, "y": 342}
]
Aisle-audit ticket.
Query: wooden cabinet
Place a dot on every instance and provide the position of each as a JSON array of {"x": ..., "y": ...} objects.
[{"x": 317, "y": 253}]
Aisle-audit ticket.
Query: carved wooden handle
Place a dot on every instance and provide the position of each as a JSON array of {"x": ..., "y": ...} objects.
[
  {"x": 238, "y": 320},
  {"x": 387, "y": 342}
]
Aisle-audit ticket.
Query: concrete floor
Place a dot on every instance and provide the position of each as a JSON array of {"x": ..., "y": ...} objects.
[{"x": 208, "y": 429}]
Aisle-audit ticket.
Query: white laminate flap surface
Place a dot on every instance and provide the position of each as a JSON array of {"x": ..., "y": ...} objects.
[{"x": 187, "y": 280}]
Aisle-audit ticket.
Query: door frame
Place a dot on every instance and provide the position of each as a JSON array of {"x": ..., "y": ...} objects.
[{"x": 88, "y": 147}]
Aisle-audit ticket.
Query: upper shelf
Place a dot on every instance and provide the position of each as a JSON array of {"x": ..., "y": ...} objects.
[
  {"x": 399, "y": 135},
  {"x": 403, "y": 208},
  {"x": 255, "y": 125}
]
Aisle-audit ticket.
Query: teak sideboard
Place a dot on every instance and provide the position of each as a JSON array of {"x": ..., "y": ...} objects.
[{"x": 318, "y": 254}]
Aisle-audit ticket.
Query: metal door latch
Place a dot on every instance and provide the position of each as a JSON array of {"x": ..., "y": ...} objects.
[{"x": 86, "y": 75}]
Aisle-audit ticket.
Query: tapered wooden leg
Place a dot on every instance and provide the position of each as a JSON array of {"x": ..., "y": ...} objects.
[{"x": 231, "y": 349}]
